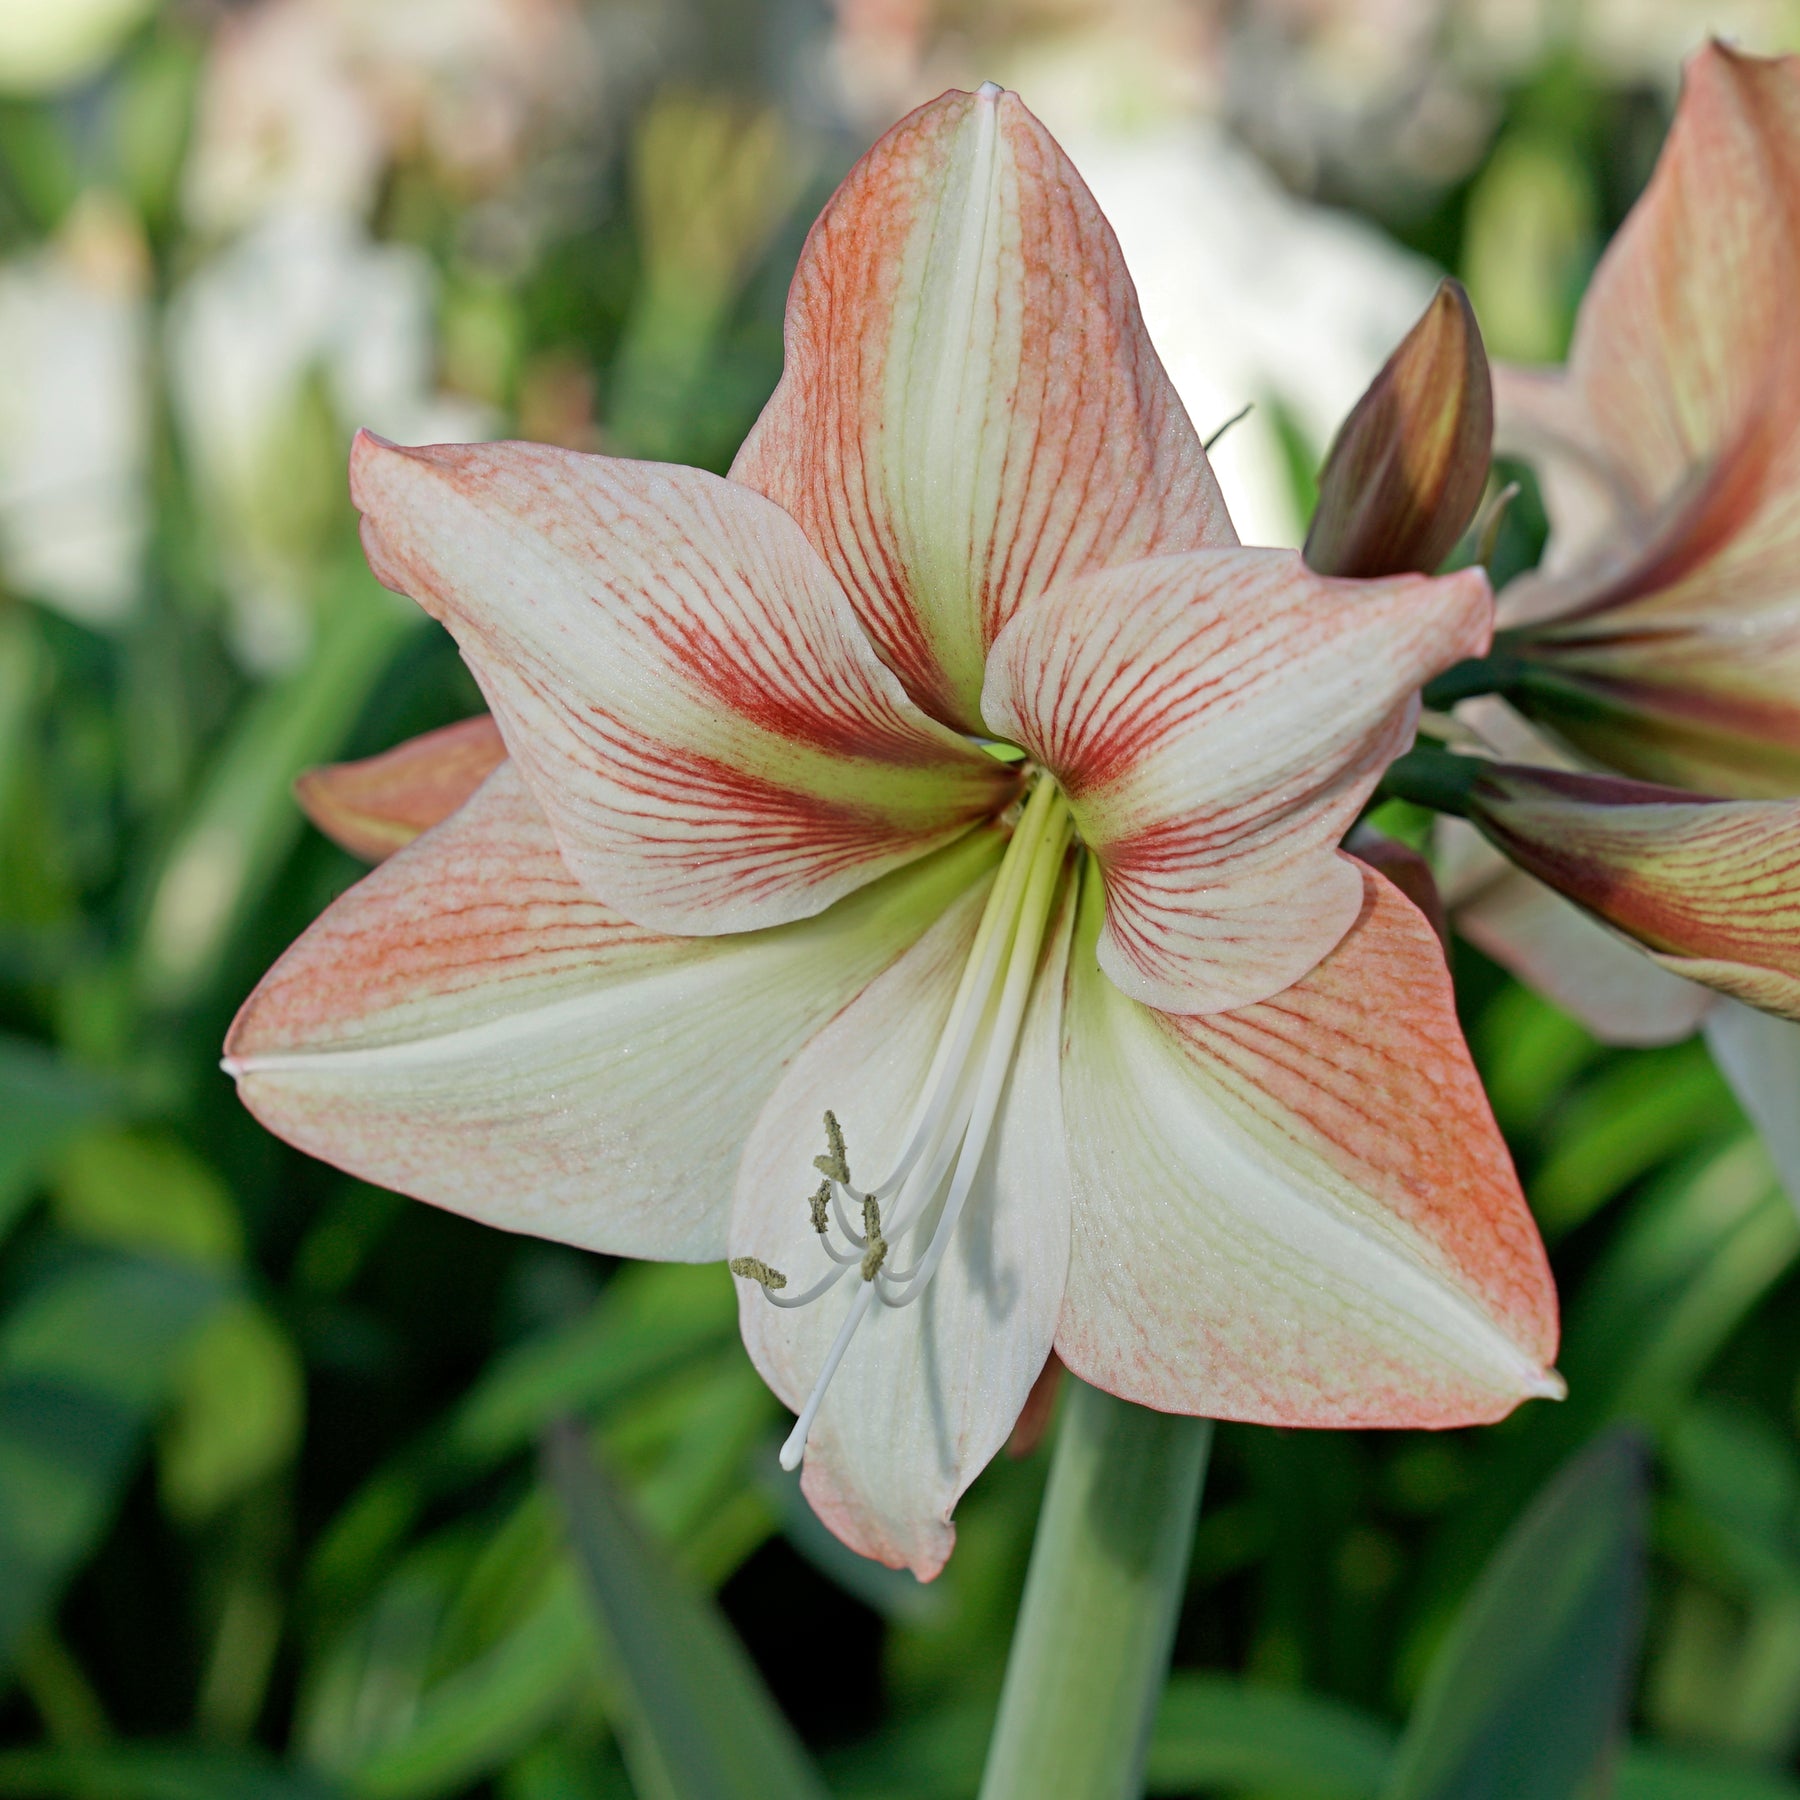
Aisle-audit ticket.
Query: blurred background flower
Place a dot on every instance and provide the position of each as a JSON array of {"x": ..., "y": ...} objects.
[{"x": 271, "y": 1511}]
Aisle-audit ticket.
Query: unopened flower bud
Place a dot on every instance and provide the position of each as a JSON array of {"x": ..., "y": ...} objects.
[{"x": 1408, "y": 466}]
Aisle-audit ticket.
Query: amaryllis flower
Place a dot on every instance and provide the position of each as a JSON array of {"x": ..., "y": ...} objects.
[
  {"x": 914, "y": 876},
  {"x": 1663, "y": 637}
]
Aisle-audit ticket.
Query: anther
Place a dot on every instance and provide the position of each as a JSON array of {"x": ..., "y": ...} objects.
[
  {"x": 876, "y": 1254},
  {"x": 753, "y": 1268},
  {"x": 820, "y": 1205},
  {"x": 835, "y": 1163}
]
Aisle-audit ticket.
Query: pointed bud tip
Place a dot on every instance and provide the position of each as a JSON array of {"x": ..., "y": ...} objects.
[{"x": 1408, "y": 467}]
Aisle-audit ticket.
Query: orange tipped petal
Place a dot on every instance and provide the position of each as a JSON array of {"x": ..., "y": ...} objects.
[
  {"x": 679, "y": 679},
  {"x": 1667, "y": 644},
  {"x": 1574, "y": 961},
  {"x": 1217, "y": 721},
  {"x": 469, "y": 1026},
  {"x": 1300, "y": 1213},
  {"x": 380, "y": 804},
  {"x": 1408, "y": 466},
  {"x": 970, "y": 409},
  {"x": 1711, "y": 888}
]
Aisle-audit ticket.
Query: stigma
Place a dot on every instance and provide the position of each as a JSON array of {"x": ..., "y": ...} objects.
[{"x": 863, "y": 1232}]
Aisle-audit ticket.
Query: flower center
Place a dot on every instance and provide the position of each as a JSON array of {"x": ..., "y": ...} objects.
[{"x": 959, "y": 1099}]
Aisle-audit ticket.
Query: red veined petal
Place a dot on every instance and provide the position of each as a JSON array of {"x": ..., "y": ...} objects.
[
  {"x": 970, "y": 409},
  {"x": 677, "y": 676},
  {"x": 1300, "y": 1213},
  {"x": 1217, "y": 721}
]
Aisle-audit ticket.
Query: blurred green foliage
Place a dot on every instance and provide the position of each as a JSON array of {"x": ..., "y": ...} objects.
[{"x": 273, "y": 1520}]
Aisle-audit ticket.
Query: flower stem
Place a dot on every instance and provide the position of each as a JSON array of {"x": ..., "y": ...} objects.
[
  {"x": 1108, "y": 1568},
  {"x": 1439, "y": 779},
  {"x": 1495, "y": 673}
]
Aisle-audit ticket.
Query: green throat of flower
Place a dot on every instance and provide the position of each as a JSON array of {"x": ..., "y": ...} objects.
[{"x": 923, "y": 1196}]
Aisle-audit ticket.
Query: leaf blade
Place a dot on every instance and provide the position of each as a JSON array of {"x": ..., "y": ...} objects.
[{"x": 697, "y": 1722}]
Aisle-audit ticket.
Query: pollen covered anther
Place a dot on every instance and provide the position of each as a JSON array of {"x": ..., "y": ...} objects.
[
  {"x": 835, "y": 1163},
  {"x": 820, "y": 1207},
  {"x": 753, "y": 1268},
  {"x": 876, "y": 1254}
]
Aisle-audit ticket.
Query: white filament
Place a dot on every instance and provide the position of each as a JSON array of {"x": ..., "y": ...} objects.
[{"x": 959, "y": 1099}]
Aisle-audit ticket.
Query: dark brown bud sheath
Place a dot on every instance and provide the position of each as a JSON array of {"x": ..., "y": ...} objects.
[{"x": 1408, "y": 466}]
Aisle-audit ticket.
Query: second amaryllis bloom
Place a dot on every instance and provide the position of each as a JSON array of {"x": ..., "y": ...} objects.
[
  {"x": 915, "y": 876},
  {"x": 1662, "y": 638}
]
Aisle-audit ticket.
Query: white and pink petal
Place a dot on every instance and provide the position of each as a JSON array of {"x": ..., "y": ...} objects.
[
  {"x": 469, "y": 1026},
  {"x": 1568, "y": 956},
  {"x": 379, "y": 804},
  {"x": 1300, "y": 1213},
  {"x": 1709, "y": 887},
  {"x": 676, "y": 674},
  {"x": 970, "y": 409},
  {"x": 1217, "y": 720}
]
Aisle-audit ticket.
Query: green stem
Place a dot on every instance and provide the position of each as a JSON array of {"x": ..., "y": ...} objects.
[
  {"x": 1439, "y": 779},
  {"x": 1108, "y": 1568},
  {"x": 1495, "y": 673}
]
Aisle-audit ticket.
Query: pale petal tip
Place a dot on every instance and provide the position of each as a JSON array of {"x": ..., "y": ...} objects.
[
  {"x": 233, "y": 1066},
  {"x": 1547, "y": 1384},
  {"x": 989, "y": 90},
  {"x": 365, "y": 448}
]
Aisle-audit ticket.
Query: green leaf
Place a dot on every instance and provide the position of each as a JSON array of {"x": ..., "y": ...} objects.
[
  {"x": 158, "y": 1772},
  {"x": 43, "y": 1102},
  {"x": 894, "y": 1593},
  {"x": 240, "y": 1397},
  {"x": 1654, "y": 1774},
  {"x": 1216, "y": 1732},
  {"x": 85, "y": 1357},
  {"x": 1526, "y": 1697},
  {"x": 1696, "y": 1255},
  {"x": 473, "y": 1720},
  {"x": 1212, "y": 1732},
  {"x": 136, "y": 1190},
  {"x": 695, "y": 1721},
  {"x": 245, "y": 820},
  {"x": 651, "y": 1320},
  {"x": 1638, "y": 1112}
]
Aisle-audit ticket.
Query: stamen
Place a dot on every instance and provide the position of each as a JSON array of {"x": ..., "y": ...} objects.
[
  {"x": 753, "y": 1268},
  {"x": 795, "y": 1447},
  {"x": 996, "y": 1066},
  {"x": 955, "y": 1113},
  {"x": 834, "y": 1164},
  {"x": 876, "y": 1254}
]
